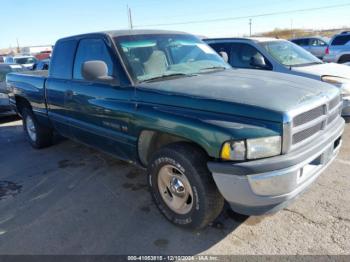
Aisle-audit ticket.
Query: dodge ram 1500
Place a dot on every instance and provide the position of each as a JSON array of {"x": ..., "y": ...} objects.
[{"x": 205, "y": 132}]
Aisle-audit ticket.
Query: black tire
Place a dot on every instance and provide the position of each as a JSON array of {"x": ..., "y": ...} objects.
[
  {"x": 44, "y": 135},
  {"x": 344, "y": 59},
  {"x": 191, "y": 161}
]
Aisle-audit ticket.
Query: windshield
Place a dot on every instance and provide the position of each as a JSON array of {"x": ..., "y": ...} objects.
[
  {"x": 25, "y": 60},
  {"x": 159, "y": 56},
  {"x": 290, "y": 54}
]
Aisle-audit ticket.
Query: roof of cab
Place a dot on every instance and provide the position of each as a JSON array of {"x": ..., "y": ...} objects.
[{"x": 117, "y": 33}]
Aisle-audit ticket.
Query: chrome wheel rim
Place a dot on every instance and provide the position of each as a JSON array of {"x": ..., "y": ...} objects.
[
  {"x": 31, "y": 128},
  {"x": 175, "y": 189}
]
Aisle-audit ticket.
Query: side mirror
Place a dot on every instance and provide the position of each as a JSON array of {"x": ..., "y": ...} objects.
[
  {"x": 224, "y": 56},
  {"x": 258, "y": 62},
  {"x": 95, "y": 70}
]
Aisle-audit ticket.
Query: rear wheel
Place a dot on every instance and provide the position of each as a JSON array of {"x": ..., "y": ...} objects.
[
  {"x": 183, "y": 188},
  {"x": 39, "y": 136},
  {"x": 344, "y": 59}
]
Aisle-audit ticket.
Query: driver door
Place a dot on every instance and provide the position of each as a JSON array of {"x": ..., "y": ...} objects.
[{"x": 100, "y": 111}]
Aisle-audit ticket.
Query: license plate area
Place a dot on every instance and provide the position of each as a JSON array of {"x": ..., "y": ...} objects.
[{"x": 323, "y": 159}]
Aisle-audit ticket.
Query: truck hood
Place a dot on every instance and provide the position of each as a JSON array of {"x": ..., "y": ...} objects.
[
  {"x": 249, "y": 93},
  {"x": 320, "y": 70}
]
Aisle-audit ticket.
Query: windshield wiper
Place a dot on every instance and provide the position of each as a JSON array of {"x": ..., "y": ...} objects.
[
  {"x": 214, "y": 68},
  {"x": 306, "y": 64},
  {"x": 165, "y": 76}
]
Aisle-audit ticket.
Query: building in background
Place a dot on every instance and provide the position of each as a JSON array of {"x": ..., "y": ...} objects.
[{"x": 34, "y": 50}]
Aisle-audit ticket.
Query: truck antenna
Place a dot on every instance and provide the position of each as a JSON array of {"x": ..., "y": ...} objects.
[
  {"x": 250, "y": 27},
  {"x": 130, "y": 17},
  {"x": 18, "y": 49}
]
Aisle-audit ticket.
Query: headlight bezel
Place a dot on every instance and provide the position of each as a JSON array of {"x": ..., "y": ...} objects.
[
  {"x": 233, "y": 151},
  {"x": 340, "y": 82}
]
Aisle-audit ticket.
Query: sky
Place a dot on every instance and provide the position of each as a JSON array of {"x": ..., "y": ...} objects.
[{"x": 41, "y": 22}]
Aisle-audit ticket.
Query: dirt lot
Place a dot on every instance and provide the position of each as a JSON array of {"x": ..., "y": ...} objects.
[{"x": 70, "y": 199}]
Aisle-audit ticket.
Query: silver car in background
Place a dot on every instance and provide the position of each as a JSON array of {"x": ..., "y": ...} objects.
[
  {"x": 316, "y": 45},
  {"x": 285, "y": 57},
  {"x": 339, "y": 49},
  {"x": 5, "y": 108}
]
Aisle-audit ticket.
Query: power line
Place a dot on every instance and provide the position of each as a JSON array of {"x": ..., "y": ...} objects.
[
  {"x": 195, "y": 14},
  {"x": 245, "y": 17}
]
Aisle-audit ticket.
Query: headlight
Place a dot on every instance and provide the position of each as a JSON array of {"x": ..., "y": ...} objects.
[
  {"x": 252, "y": 148},
  {"x": 342, "y": 83},
  {"x": 235, "y": 151}
]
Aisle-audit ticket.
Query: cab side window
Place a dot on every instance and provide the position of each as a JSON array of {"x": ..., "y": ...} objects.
[
  {"x": 301, "y": 42},
  {"x": 222, "y": 47},
  {"x": 247, "y": 56},
  {"x": 317, "y": 42},
  {"x": 90, "y": 50}
]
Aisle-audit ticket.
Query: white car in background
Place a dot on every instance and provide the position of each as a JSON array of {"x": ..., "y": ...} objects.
[{"x": 26, "y": 61}]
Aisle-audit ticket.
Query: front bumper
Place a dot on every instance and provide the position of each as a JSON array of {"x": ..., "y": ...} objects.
[{"x": 267, "y": 185}]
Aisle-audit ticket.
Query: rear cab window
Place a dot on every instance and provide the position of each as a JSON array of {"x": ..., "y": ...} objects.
[{"x": 62, "y": 59}]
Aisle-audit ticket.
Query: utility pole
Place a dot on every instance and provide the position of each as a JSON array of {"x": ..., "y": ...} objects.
[
  {"x": 250, "y": 27},
  {"x": 18, "y": 49},
  {"x": 129, "y": 17}
]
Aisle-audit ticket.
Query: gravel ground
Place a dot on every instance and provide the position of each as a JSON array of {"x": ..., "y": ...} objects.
[{"x": 70, "y": 199}]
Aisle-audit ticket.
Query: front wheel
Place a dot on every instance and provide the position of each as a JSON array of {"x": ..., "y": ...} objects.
[{"x": 183, "y": 188}]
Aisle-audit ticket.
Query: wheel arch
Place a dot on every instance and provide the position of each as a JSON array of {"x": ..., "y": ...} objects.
[
  {"x": 21, "y": 103},
  {"x": 344, "y": 58},
  {"x": 149, "y": 141}
]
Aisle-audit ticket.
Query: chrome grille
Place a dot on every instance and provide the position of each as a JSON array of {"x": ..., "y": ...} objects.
[
  {"x": 313, "y": 121},
  {"x": 334, "y": 102},
  {"x": 302, "y": 135},
  {"x": 308, "y": 116},
  {"x": 334, "y": 116}
]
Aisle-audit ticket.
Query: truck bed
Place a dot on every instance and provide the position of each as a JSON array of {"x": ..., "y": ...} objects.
[
  {"x": 29, "y": 85},
  {"x": 42, "y": 73}
]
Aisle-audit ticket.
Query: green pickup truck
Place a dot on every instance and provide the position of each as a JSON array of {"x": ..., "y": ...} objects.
[{"x": 167, "y": 102}]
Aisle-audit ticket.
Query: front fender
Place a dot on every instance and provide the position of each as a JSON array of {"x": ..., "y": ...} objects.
[{"x": 208, "y": 130}]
